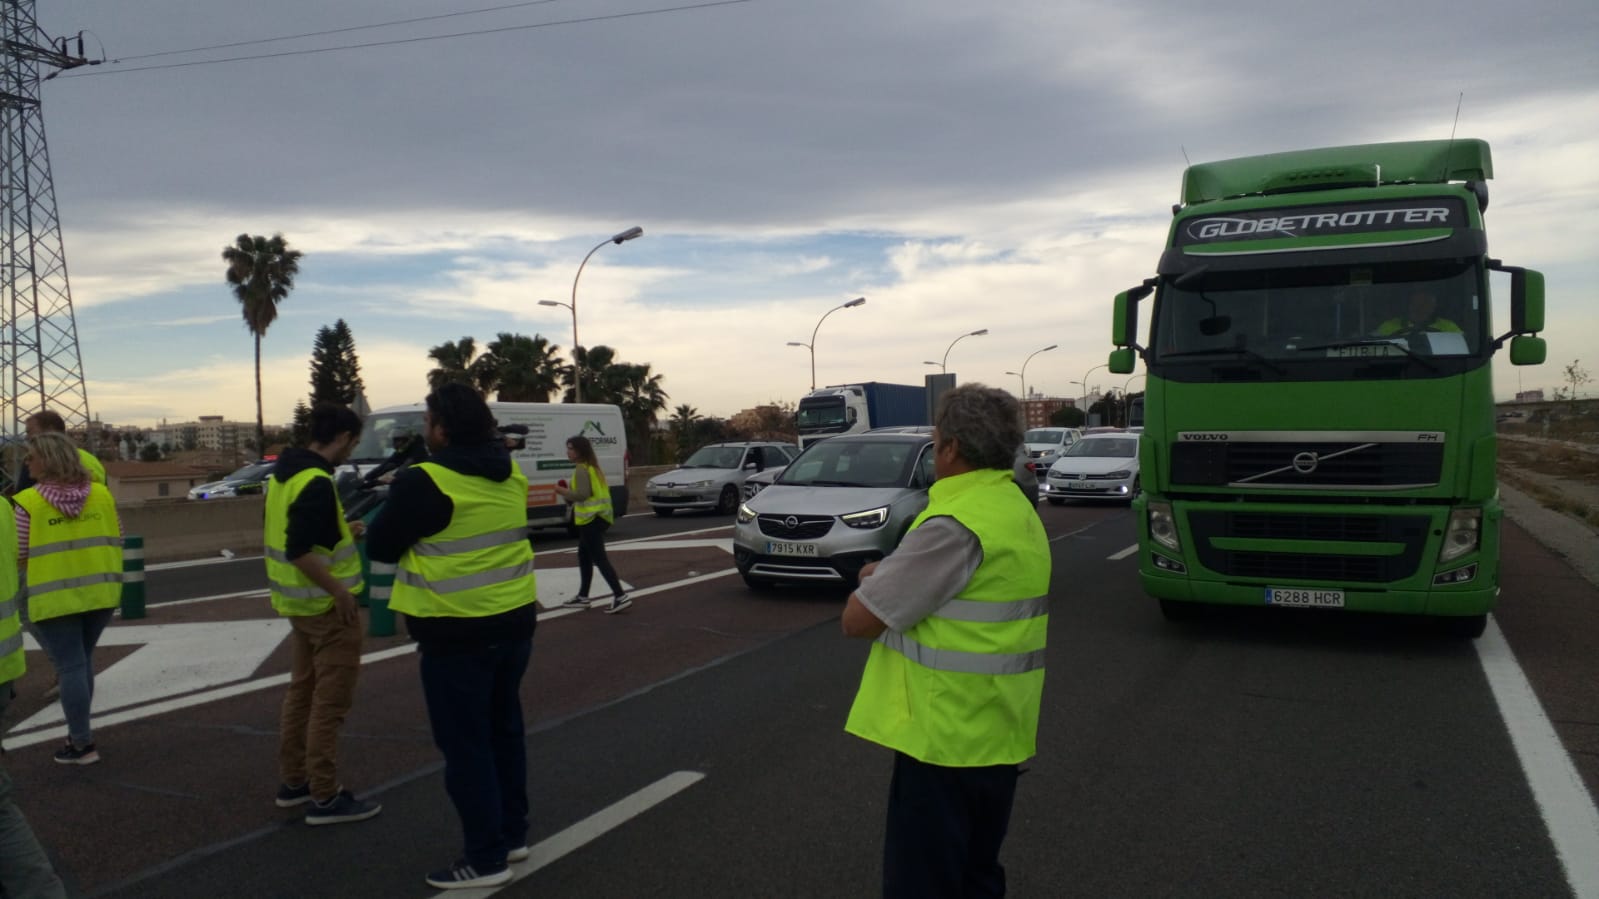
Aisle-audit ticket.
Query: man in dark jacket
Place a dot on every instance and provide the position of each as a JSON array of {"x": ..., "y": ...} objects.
[{"x": 456, "y": 528}]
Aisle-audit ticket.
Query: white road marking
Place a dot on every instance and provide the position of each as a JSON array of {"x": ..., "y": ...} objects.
[
  {"x": 1563, "y": 801},
  {"x": 557, "y": 846},
  {"x": 1122, "y": 554},
  {"x": 197, "y": 563},
  {"x": 1073, "y": 533},
  {"x": 550, "y": 580}
]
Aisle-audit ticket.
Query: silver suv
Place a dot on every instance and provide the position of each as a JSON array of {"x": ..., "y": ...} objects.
[
  {"x": 711, "y": 478},
  {"x": 844, "y": 502}
]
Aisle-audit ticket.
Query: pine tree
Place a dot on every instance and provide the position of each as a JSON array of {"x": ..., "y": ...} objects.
[
  {"x": 335, "y": 369},
  {"x": 301, "y": 426}
]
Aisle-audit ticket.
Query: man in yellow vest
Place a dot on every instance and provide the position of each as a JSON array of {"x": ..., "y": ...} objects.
[
  {"x": 954, "y": 681},
  {"x": 25, "y": 869},
  {"x": 1421, "y": 314},
  {"x": 314, "y": 572},
  {"x": 45, "y": 420},
  {"x": 456, "y": 527}
]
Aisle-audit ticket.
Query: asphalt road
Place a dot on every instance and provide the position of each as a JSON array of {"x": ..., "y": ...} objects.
[{"x": 694, "y": 747}]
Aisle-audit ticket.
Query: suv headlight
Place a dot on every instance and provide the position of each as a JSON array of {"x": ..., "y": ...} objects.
[
  {"x": 1462, "y": 535},
  {"x": 1163, "y": 527},
  {"x": 745, "y": 513},
  {"x": 871, "y": 518},
  {"x": 1118, "y": 475}
]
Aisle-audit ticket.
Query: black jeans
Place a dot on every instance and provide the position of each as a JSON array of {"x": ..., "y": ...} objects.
[
  {"x": 475, "y": 708},
  {"x": 945, "y": 827},
  {"x": 591, "y": 555}
]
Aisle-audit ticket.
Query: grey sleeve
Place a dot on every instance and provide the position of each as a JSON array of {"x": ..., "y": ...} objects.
[
  {"x": 581, "y": 488},
  {"x": 931, "y": 566}
]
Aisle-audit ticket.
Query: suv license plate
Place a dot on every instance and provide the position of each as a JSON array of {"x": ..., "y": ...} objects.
[
  {"x": 791, "y": 549},
  {"x": 1310, "y": 599}
]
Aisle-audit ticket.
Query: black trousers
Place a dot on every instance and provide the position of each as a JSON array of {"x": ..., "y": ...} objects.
[
  {"x": 591, "y": 555},
  {"x": 945, "y": 827}
]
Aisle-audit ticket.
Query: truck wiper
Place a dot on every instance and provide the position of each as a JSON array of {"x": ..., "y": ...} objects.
[
  {"x": 1228, "y": 350},
  {"x": 1373, "y": 342}
]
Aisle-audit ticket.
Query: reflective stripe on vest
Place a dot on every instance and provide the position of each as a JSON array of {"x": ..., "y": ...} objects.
[
  {"x": 74, "y": 564},
  {"x": 599, "y": 501},
  {"x": 963, "y": 687},
  {"x": 294, "y": 594},
  {"x": 480, "y": 564},
  {"x": 13, "y": 663}
]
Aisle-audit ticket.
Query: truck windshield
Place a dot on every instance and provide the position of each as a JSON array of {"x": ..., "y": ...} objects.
[
  {"x": 822, "y": 412},
  {"x": 381, "y": 431},
  {"x": 1407, "y": 311}
]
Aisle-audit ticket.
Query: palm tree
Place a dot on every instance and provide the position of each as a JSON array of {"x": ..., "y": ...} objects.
[
  {"x": 598, "y": 380},
  {"x": 525, "y": 368},
  {"x": 262, "y": 272},
  {"x": 642, "y": 399},
  {"x": 455, "y": 364}
]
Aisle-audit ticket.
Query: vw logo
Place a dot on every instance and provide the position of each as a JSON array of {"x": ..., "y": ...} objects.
[
  {"x": 1082, "y": 477},
  {"x": 1305, "y": 463},
  {"x": 791, "y": 522}
]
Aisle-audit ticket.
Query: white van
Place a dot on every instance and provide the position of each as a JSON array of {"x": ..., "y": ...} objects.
[{"x": 542, "y": 458}]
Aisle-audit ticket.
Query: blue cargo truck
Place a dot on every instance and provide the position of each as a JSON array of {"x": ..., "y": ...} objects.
[{"x": 854, "y": 408}]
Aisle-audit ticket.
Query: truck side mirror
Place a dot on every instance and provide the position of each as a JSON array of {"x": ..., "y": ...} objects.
[
  {"x": 850, "y": 414},
  {"x": 1124, "y": 320},
  {"x": 1525, "y": 350},
  {"x": 1526, "y": 301},
  {"x": 1122, "y": 361}
]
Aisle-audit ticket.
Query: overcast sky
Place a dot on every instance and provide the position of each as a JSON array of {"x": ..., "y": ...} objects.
[{"x": 961, "y": 165}]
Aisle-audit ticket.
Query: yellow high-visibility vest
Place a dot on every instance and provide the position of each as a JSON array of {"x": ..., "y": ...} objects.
[
  {"x": 92, "y": 465},
  {"x": 293, "y": 593},
  {"x": 599, "y": 501},
  {"x": 481, "y": 564},
  {"x": 964, "y": 686},
  {"x": 74, "y": 564},
  {"x": 12, "y": 661}
]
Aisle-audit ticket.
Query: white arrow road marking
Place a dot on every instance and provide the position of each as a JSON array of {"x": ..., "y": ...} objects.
[
  {"x": 556, "y": 846},
  {"x": 173, "y": 659}
]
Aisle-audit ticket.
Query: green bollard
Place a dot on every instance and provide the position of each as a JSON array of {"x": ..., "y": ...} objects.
[
  {"x": 132, "y": 577},
  {"x": 380, "y": 620}
]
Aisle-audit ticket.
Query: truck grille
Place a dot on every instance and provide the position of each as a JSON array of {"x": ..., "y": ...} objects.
[
  {"x": 805, "y": 527},
  {"x": 1290, "y": 464},
  {"x": 1408, "y": 530}
]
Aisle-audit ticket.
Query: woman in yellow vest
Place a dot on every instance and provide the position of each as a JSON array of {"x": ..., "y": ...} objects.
[
  {"x": 955, "y": 678},
  {"x": 70, "y": 543},
  {"x": 593, "y": 514}
]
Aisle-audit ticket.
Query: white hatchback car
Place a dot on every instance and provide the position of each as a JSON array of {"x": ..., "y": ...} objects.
[{"x": 1099, "y": 466}]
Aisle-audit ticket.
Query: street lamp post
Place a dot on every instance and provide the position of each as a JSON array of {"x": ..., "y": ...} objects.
[
  {"x": 1024, "y": 367},
  {"x": 943, "y": 366},
  {"x": 1084, "y": 382},
  {"x": 858, "y": 301},
  {"x": 577, "y": 364},
  {"x": 1024, "y": 382}
]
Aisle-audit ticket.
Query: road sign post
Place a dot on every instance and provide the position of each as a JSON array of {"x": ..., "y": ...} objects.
[{"x": 132, "y": 577}]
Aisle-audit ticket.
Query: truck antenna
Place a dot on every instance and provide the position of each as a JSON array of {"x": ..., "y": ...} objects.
[
  {"x": 1185, "y": 155},
  {"x": 1450, "y": 150}
]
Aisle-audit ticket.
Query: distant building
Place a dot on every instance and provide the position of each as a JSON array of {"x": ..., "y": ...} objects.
[
  {"x": 1529, "y": 396},
  {"x": 139, "y": 482},
  {"x": 1036, "y": 410}
]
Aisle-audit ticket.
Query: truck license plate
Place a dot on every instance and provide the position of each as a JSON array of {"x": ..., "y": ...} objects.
[
  {"x": 790, "y": 549},
  {"x": 1303, "y": 598}
]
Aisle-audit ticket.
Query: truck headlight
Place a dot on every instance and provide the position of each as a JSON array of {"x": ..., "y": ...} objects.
[
  {"x": 745, "y": 513},
  {"x": 1463, "y": 534},
  {"x": 1163, "y": 527},
  {"x": 871, "y": 518}
]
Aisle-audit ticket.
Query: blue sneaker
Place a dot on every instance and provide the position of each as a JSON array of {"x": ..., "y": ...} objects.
[
  {"x": 341, "y": 809},
  {"x": 289, "y": 797},
  {"x": 464, "y": 876}
]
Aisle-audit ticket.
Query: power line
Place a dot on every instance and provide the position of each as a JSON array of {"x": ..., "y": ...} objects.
[
  {"x": 414, "y": 40},
  {"x": 293, "y": 37}
]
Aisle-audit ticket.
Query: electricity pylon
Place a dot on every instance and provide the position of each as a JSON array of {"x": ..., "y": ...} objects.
[{"x": 40, "y": 366}]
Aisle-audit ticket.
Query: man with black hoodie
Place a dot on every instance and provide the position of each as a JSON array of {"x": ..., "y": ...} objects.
[
  {"x": 456, "y": 526},
  {"x": 314, "y": 572}
]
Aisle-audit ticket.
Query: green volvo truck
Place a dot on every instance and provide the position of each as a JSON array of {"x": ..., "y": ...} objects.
[{"x": 1319, "y": 413}]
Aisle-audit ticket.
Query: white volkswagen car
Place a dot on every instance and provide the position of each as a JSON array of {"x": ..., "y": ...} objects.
[{"x": 1099, "y": 466}]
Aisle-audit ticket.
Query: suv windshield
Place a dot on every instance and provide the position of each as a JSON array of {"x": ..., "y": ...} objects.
[
  {"x": 381, "y": 430},
  {"x": 1105, "y": 447},
  {"x": 1346, "y": 313},
  {"x": 715, "y": 457},
  {"x": 1044, "y": 435},
  {"x": 854, "y": 463}
]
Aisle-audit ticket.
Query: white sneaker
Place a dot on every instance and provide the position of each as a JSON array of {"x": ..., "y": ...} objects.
[
  {"x": 576, "y": 602},
  {"x": 620, "y": 604}
]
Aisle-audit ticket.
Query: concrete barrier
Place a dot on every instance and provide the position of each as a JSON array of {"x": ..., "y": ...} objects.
[{"x": 180, "y": 529}]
